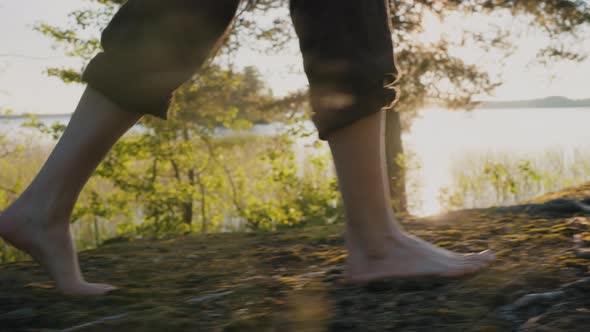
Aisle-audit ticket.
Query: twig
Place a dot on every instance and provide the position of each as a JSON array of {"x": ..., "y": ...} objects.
[
  {"x": 9, "y": 190},
  {"x": 94, "y": 323},
  {"x": 208, "y": 298}
]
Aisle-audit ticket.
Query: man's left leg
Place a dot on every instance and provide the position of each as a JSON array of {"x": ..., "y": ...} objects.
[
  {"x": 151, "y": 47},
  {"x": 38, "y": 222}
]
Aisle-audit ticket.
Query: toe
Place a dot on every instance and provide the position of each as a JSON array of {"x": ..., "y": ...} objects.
[
  {"x": 482, "y": 260},
  {"x": 104, "y": 288},
  {"x": 88, "y": 289},
  {"x": 109, "y": 288},
  {"x": 487, "y": 255},
  {"x": 471, "y": 267}
]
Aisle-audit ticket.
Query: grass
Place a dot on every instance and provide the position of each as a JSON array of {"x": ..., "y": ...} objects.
[{"x": 484, "y": 179}]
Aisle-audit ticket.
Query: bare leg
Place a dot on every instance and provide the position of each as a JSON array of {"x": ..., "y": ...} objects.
[
  {"x": 378, "y": 247},
  {"x": 38, "y": 221}
]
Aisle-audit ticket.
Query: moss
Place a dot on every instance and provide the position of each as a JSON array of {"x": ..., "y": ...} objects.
[
  {"x": 445, "y": 244},
  {"x": 552, "y": 239},
  {"x": 452, "y": 233},
  {"x": 516, "y": 238}
]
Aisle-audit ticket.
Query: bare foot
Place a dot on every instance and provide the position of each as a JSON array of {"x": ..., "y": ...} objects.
[
  {"x": 52, "y": 247},
  {"x": 408, "y": 256}
]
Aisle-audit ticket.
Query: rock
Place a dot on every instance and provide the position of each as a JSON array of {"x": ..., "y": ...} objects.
[
  {"x": 336, "y": 270},
  {"x": 579, "y": 285},
  {"x": 346, "y": 302},
  {"x": 331, "y": 277},
  {"x": 583, "y": 253},
  {"x": 343, "y": 325},
  {"x": 531, "y": 324},
  {"x": 378, "y": 286},
  {"x": 19, "y": 314},
  {"x": 409, "y": 298},
  {"x": 554, "y": 208},
  {"x": 507, "y": 313},
  {"x": 389, "y": 306},
  {"x": 530, "y": 299}
]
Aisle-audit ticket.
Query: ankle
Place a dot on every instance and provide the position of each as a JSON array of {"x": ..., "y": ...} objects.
[
  {"x": 40, "y": 212},
  {"x": 375, "y": 246},
  {"x": 51, "y": 198}
]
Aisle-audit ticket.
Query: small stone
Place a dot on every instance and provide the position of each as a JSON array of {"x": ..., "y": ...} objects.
[
  {"x": 583, "y": 253},
  {"x": 331, "y": 277},
  {"x": 531, "y": 324},
  {"x": 390, "y": 306},
  {"x": 343, "y": 325},
  {"x": 380, "y": 286},
  {"x": 529, "y": 299},
  {"x": 370, "y": 305},
  {"x": 19, "y": 314},
  {"x": 507, "y": 313},
  {"x": 582, "y": 284},
  {"x": 311, "y": 275},
  {"x": 335, "y": 270},
  {"x": 208, "y": 298},
  {"x": 409, "y": 298},
  {"x": 346, "y": 302}
]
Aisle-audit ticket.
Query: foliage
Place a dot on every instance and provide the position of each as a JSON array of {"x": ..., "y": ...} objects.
[
  {"x": 196, "y": 172},
  {"x": 297, "y": 200},
  {"x": 432, "y": 71},
  {"x": 498, "y": 179},
  {"x": 8, "y": 151},
  {"x": 175, "y": 167}
]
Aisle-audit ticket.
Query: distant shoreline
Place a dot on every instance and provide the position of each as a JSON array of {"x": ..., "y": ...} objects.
[
  {"x": 549, "y": 102},
  {"x": 25, "y": 116},
  {"x": 545, "y": 103}
]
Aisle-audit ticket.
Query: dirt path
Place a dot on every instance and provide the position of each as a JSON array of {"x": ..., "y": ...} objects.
[{"x": 292, "y": 281}]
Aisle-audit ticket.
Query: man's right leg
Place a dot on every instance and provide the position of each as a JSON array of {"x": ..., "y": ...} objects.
[
  {"x": 377, "y": 245},
  {"x": 348, "y": 58},
  {"x": 151, "y": 47}
]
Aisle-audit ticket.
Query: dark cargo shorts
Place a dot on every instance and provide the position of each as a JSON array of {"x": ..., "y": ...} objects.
[{"x": 151, "y": 47}]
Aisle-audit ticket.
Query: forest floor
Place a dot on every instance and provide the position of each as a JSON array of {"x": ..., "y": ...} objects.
[{"x": 293, "y": 281}]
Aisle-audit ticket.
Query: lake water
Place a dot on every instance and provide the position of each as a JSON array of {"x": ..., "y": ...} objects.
[{"x": 441, "y": 138}]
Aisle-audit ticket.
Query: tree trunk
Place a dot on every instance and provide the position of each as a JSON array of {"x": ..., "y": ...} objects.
[
  {"x": 187, "y": 212},
  {"x": 395, "y": 162},
  {"x": 204, "y": 221},
  {"x": 96, "y": 232},
  {"x": 4, "y": 254},
  {"x": 187, "y": 215}
]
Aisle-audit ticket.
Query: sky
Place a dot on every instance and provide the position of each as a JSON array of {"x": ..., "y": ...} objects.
[{"x": 25, "y": 88}]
